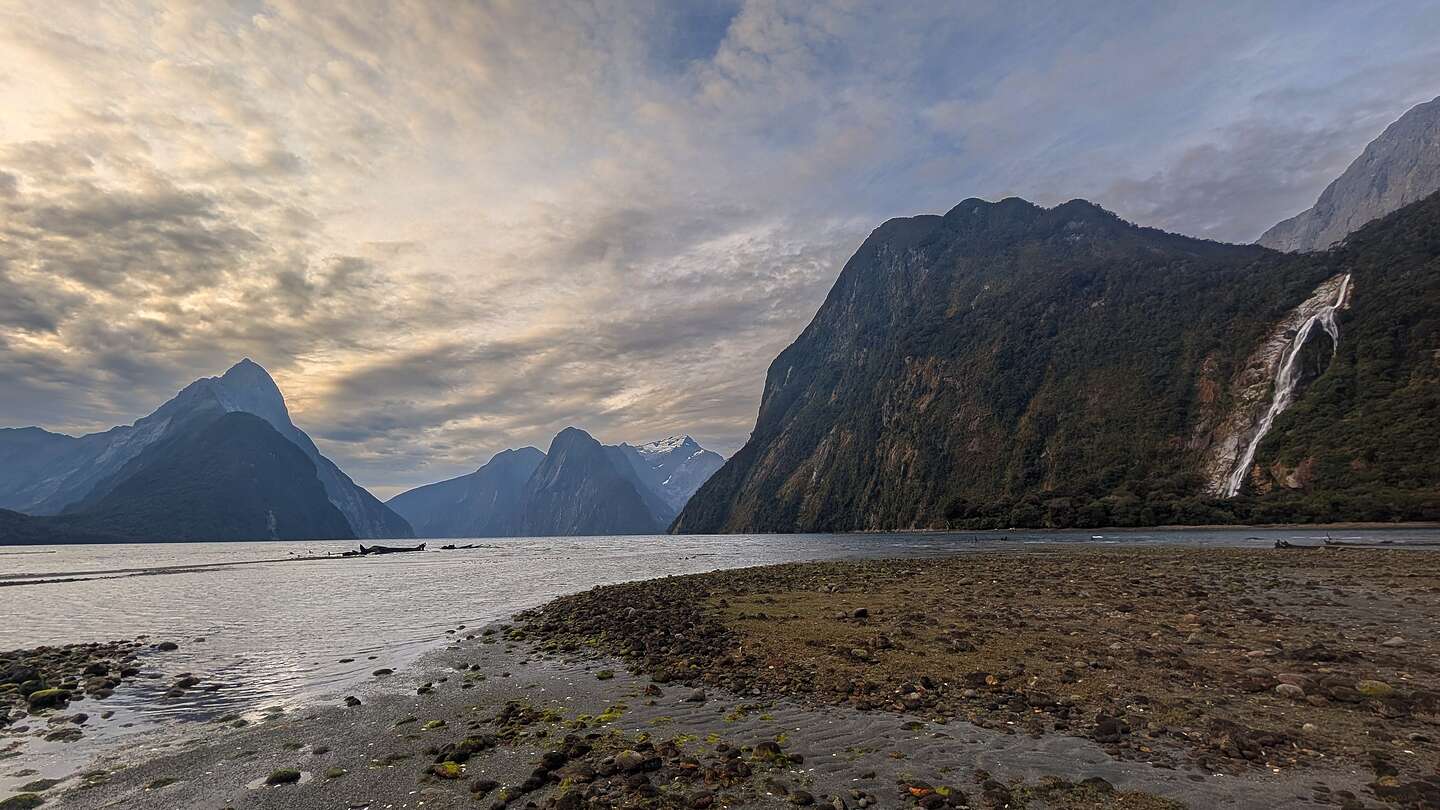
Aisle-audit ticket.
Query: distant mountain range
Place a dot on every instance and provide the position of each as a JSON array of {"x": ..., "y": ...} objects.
[
  {"x": 578, "y": 487},
  {"x": 1011, "y": 365},
  {"x": 219, "y": 461}
]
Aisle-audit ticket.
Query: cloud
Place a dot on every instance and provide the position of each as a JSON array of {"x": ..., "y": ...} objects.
[{"x": 453, "y": 228}]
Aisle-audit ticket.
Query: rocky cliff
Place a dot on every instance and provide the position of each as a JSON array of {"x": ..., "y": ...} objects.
[{"x": 1399, "y": 167}]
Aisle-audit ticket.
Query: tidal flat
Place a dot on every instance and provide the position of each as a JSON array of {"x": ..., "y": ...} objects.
[{"x": 1053, "y": 677}]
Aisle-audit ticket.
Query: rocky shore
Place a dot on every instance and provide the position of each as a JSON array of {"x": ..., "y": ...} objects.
[
  {"x": 1055, "y": 678},
  {"x": 1220, "y": 661}
]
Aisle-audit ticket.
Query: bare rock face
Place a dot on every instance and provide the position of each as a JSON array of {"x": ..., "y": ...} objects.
[{"x": 1397, "y": 168}]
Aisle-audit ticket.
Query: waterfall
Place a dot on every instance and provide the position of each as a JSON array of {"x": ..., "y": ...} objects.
[{"x": 1286, "y": 378}]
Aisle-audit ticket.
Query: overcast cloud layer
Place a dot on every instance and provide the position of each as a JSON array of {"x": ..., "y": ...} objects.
[{"x": 448, "y": 228}]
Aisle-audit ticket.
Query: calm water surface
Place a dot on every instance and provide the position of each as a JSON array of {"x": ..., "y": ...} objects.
[{"x": 275, "y": 629}]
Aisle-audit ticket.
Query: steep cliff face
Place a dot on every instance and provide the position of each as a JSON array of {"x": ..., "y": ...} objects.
[
  {"x": 1399, "y": 167},
  {"x": 1011, "y": 365}
]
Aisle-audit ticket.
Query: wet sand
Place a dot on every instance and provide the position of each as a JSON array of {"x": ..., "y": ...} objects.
[{"x": 385, "y": 748}]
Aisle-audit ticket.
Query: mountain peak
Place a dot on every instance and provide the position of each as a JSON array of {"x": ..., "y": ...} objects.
[
  {"x": 248, "y": 387},
  {"x": 246, "y": 368},
  {"x": 668, "y": 445},
  {"x": 1399, "y": 167},
  {"x": 571, "y": 437}
]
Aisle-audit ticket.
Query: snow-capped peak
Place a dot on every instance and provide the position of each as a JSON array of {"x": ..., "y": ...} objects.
[{"x": 667, "y": 445}]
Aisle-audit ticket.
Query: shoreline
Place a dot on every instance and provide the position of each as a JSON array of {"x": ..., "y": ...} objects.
[{"x": 692, "y": 708}]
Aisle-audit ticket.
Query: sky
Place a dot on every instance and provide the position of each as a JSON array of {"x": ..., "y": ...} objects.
[{"x": 447, "y": 228}]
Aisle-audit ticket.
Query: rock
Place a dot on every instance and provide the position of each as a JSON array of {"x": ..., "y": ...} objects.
[
  {"x": 1393, "y": 641},
  {"x": 768, "y": 750},
  {"x": 1290, "y": 690},
  {"x": 18, "y": 673},
  {"x": 800, "y": 798},
  {"x": 630, "y": 760},
  {"x": 1108, "y": 730},
  {"x": 483, "y": 785},
  {"x": 860, "y": 613},
  {"x": 167, "y": 646},
  {"x": 382, "y": 671},
  {"x": 352, "y": 701},
  {"x": 698, "y": 696},
  {"x": 1374, "y": 689},
  {"x": 1303, "y": 681},
  {"x": 47, "y": 699},
  {"x": 67, "y": 734},
  {"x": 283, "y": 776},
  {"x": 447, "y": 770},
  {"x": 21, "y": 801},
  {"x": 1344, "y": 694}
]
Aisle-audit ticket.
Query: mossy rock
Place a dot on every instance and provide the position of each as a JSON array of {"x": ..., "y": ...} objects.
[
  {"x": 1374, "y": 689},
  {"x": 605, "y": 674},
  {"x": 432, "y": 725},
  {"x": 21, "y": 801},
  {"x": 335, "y": 773},
  {"x": 447, "y": 770},
  {"x": 284, "y": 776},
  {"x": 48, "y": 699}
]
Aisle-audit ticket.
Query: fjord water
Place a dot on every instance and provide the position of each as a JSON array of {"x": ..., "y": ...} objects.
[{"x": 275, "y": 629}]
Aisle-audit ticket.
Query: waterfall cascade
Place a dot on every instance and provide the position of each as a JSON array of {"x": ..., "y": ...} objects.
[{"x": 1287, "y": 377}]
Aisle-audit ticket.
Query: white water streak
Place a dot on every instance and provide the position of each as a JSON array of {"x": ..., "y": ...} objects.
[{"x": 1286, "y": 379}]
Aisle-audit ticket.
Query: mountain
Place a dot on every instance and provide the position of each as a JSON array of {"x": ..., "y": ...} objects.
[
  {"x": 583, "y": 491},
  {"x": 234, "y": 477},
  {"x": 51, "y": 473},
  {"x": 485, "y": 503},
  {"x": 1011, "y": 365},
  {"x": 579, "y": 489},
  {"x": 673, "y": 468},
  {"x": 1396, "y": 169}
]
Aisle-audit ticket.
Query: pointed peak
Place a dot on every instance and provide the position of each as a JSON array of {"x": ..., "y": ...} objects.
[
  {"x": 246, "y": 369},
  {"x": 248, "y": 387},
  {"x": 571, "y": 436}
]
